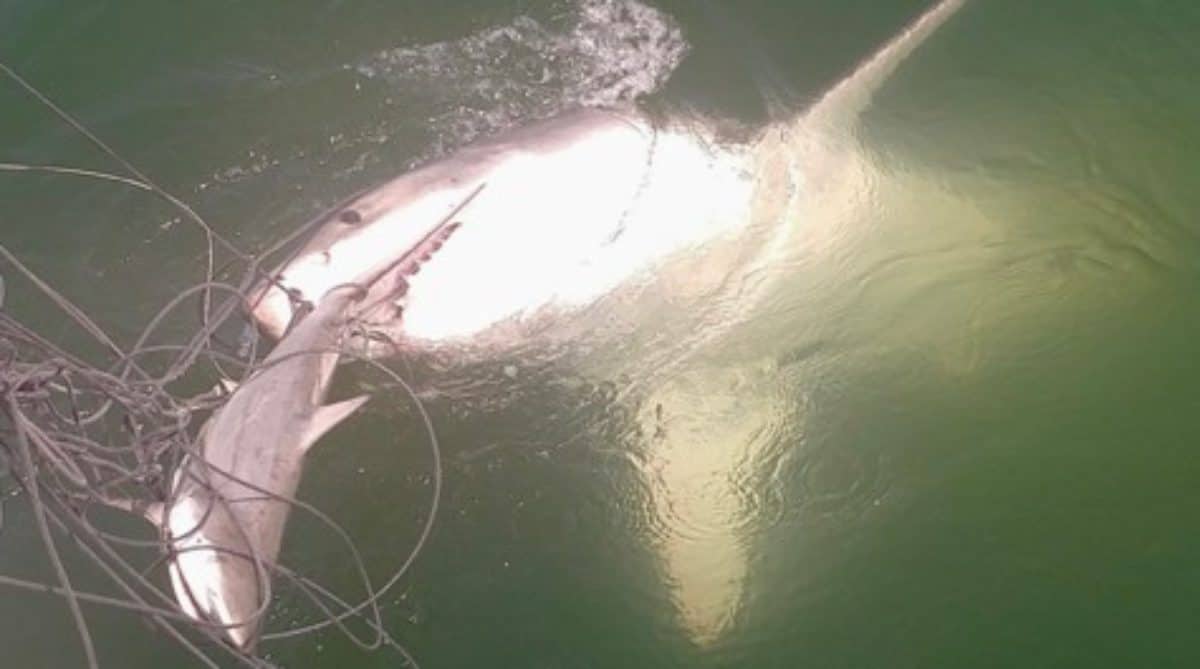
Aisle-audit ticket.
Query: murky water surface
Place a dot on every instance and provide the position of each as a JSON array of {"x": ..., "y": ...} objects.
[{"x": 945, "y": 418}]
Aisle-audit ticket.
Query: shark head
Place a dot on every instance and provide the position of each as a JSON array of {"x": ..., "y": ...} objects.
[
  {"x": 551, "y": 215},
  {"x": 376, "y": 239}
]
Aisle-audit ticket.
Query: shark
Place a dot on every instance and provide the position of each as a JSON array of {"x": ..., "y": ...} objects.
[
  {"x": 571, "y": 212},
  {"x": 229, "y": 499},
  {"x": 571, "y": 209}
]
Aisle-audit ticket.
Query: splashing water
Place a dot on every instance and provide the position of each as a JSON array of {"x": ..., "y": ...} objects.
[{"x": 599, "y": 52}]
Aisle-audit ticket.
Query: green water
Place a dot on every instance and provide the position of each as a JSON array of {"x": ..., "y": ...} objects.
[{"x": 959, "y": 433}]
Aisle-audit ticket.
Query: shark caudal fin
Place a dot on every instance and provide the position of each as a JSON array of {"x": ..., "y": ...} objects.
[{"x": 845, "y": 102}]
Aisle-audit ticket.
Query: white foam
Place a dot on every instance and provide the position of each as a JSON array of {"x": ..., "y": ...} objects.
[{"x": 597, "y": 52}]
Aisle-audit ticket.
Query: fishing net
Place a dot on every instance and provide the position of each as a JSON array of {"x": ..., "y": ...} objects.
[{"x": 81, "y": 435}]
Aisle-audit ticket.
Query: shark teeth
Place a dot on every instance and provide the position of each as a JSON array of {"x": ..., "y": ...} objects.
[
  {"x": 391, "y": 307},
  {"x": 428, "y": 247}
]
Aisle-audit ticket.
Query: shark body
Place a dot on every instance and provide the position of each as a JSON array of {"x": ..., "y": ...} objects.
[{"x": 229, "y": 501}]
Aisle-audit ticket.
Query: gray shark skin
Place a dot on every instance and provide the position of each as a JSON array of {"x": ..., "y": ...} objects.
[
  {"x": 227, "y": 510},
  {"x": 572, "y": 208}
]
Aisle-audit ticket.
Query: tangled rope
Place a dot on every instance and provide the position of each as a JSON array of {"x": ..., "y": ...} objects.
[{"x": 79, "y": 435}]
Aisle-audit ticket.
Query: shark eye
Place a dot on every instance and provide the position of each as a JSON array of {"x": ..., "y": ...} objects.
[{"x": 350, "y": 216}]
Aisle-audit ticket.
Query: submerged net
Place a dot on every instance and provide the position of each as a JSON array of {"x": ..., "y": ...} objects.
[{"x": 82, "y": 434}]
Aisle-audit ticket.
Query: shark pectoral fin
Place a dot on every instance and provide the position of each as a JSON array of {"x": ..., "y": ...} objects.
[
  {"x": 151, "y": 511},
  {"x": 326, "y": 417}
]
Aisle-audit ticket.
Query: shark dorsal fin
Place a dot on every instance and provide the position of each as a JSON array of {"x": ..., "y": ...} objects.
[
  {"x": 326, "y": 417},
  {"x": 846, "y": 101}
]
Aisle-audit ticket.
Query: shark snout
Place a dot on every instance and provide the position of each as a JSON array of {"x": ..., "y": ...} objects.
[
  {"x": 213, "y": 582},
  {"x": 271, "y": 307},
  {"x": 236, "y": 612},
  {"x": 222, "y": 590},
  {"x": 272, "y": 304}
]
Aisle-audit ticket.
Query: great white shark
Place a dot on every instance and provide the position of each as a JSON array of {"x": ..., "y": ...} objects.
[{"x": 571, "y": 208}]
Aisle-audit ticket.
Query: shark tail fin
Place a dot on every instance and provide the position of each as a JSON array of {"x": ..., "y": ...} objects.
[{"x": 330, "y": 415}]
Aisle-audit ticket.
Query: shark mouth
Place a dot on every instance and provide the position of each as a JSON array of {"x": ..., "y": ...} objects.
[
  {"x": 388, "y": 309},
  {"x": 296, "y": 289}
]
